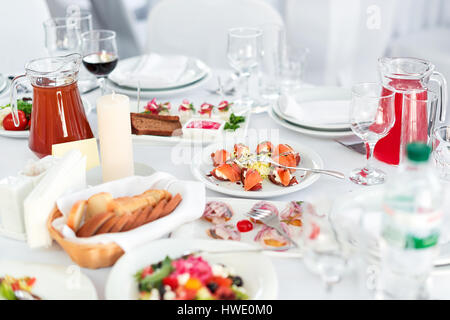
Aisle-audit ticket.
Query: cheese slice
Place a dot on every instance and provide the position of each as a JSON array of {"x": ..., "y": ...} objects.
[
  {"x": 67, "y": 175},
  {"x": 87, "y": 147}
]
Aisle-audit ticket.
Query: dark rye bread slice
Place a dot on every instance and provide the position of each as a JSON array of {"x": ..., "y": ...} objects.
[{"x": 156, "y": 125}]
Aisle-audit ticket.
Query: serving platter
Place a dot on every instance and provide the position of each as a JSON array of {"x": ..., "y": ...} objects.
[
  {"x": 198, "y": 229},
  {"x": 257, "y": 271},
  {"x": 53, "y": 282},
  {"x": 201, "y": 167}
]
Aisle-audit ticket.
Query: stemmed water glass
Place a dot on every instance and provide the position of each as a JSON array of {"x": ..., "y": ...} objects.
[
  {"x": 100, "y": 55},
  {"x": 372, "y": 115},
  {"x": 244, "y": 53}
]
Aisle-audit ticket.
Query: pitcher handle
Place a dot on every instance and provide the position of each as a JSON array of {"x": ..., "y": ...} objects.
[
  {"x": 13, "y": 97},
  {"x": 440, "y": 79}
]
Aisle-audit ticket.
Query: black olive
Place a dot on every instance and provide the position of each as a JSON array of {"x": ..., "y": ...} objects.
[
  {"x": 212, "y": 286},
  {"x": 237, "y": 281}
]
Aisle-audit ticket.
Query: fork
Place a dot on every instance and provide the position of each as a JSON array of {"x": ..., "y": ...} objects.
[
  {"x": 270, "y": 220},
  {"x": 267, "y": 159}
]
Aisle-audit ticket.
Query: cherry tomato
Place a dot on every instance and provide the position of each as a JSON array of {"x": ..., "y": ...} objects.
[
  {"x": 244, "y": 226},
  {"x": 172, "y": 282},
  {"x": 8, "y": 122}
]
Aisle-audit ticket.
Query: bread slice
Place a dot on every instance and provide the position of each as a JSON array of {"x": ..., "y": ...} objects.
[
  {"x": 76, "y": 215},
  {"x": 118, "y": 226},
  {"x": 98, "y": 203},
  {"x": 156, "y": 125},
  {"x": 139, "y": 219},
  {"x": 126, "y": 205},
  {"x": 91, "y": 226},
  {"x": 107, "y": 226},
  {"x": 171, "y": 205},
  {"x": 156, "y": 212}
]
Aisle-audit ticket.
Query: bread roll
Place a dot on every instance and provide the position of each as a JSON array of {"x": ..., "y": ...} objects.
[
  {"x": 76, "y": 215},
  {"x": 98, "y": 203}
]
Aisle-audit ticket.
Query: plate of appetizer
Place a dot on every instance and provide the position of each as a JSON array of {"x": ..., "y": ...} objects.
[
  {"x": 227, "y": 219},
  {"x": 180, "y": 272},
  {"x": 32, "y": 281},
  {"x": 24, "y": 106},
  {"x": 158, "y": 123},
  {"x": 239, "y": 169}
]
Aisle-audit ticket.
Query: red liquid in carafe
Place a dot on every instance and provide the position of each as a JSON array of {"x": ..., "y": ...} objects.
[
  {"x": 57, "y": 116},
  {"x": 411, "y": 122}
]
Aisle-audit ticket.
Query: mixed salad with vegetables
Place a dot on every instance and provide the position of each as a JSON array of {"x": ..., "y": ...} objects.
[
  {"x": 189, "y": 278},
  {"x": 24, "y": 107},
  {"x": 10, "y": 286}
]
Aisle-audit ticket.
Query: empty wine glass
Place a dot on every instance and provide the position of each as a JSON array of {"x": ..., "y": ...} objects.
[
  {"x": 244, "y": 53},
  {"x": 100, "y": 54},
  {"x": 372, "y": 115},
  {"x": 322, "y": 253}
]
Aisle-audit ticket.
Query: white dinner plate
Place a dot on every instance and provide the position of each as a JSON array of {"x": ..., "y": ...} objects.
[
  {"x": 159, "y": 93},
  {"x": 201, "y": 166},
  {"x": 26, "y": 133},
  {"x": 53, "y": 282},
  {"x": 306, "y": 131},
  {"x": 320, "y": 108},
  {"x": 240, "y": 207},
  {"x": 256, "y": 270},
  {"x": 194, "y": 71}
]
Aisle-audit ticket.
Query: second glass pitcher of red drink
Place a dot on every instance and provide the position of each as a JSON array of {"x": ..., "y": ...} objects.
[
  {"x": 410, "y": 79},
  {"x": 57, "y": 114}
]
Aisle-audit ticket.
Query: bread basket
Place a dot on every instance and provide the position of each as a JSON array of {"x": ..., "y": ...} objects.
[{"x": 92, "y": 256}]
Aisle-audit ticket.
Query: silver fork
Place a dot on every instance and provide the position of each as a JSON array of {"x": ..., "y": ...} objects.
[
  {"x": 270, "y": 220},
  {"x": 263, "y": 158}
]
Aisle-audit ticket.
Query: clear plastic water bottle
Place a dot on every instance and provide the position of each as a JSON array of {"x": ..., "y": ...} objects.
[{"x": 410, "y": 227}]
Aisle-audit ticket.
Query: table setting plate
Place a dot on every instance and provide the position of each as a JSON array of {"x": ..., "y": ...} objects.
[
  {"x": 197, "y": 229},
  {"x": 257, "y": 271},
  {"x": 53, "y": 282},
  {"x": 307, "y": 131},
  {"x": 201, "y": 166},
  {"x": 319, "y": 108},
  {"x": 24, "y": 134}
]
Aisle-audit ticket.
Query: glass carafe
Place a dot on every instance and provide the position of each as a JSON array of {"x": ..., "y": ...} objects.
[
  {"x": 409, "y": 77},
  {"x": 57, "y": 115}
]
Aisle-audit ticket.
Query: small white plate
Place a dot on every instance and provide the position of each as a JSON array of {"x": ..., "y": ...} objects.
[
  {"x": 306, "y": 131},
  {"x": 256, "y": 270},
  {"x": 324, "y": 108},
  {"x": 53, "y": 282},
  {"x": 201, "y": 166},
  {"x": 197, "y": 229},
  {"x": 194, "y": 71},
  {"x": 26, "y": 133}
]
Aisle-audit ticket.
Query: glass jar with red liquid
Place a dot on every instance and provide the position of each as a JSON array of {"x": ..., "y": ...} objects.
[
  {"x": 410, "y": 79},
  {"x": 58, "y": 114}
]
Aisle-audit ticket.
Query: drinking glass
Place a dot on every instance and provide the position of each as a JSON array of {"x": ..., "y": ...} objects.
[
  {"x": 244, "y": 54},
  {"x": 372, "y": 115},
  {"x": 441, "y": 151},
  {"x": 100, "y": 54},
  {"x": 273, "y": 42},
  {"x": 322, "y": 253},
  {"x": 293, "y": 60}
]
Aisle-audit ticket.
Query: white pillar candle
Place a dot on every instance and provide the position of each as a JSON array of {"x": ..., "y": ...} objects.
[{"x": 114, "y": 132}]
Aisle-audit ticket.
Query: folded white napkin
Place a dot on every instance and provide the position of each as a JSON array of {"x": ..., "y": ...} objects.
[
  {"x": 317, "y": 112},
  {"x": 152, "y": 71},
  {"x": 190, "y": 208},
  {"x": 66, "y": 175}
]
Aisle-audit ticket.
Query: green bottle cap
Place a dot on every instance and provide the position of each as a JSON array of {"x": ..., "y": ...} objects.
[{"x": 418, "y": 152}]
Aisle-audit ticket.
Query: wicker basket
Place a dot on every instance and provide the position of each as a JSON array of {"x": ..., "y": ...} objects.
[{"x": 92, "y": 256}]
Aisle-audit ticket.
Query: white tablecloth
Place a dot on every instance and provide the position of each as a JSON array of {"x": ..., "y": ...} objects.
[{"x": 295, "y": 282}]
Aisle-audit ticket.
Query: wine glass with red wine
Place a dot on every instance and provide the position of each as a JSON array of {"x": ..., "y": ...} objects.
[{"x": 100, "y": 54}]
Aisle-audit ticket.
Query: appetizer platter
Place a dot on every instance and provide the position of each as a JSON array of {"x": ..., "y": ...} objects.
[
  {"x": 158, "y": 123},
  {"x": 227, "y": 219},
  {"x": 251, "y": 170},
  {"x": 32, "y": 281},
  {"x": 24, "y": 106},
  {"x": 175, "y": 272}
]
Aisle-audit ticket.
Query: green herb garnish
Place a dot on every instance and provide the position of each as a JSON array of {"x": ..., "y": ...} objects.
[
  {"x": 22, "y": 106},
  {"x": 233, "y": 122}
]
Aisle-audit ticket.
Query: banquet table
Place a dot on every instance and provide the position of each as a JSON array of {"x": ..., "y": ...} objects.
[{"x": 295, "y": 281}]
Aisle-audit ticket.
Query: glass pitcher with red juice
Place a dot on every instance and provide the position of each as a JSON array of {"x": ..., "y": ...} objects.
[
  {"x": 409, "y": 78},
  {"x": 58, "y": 114}
]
